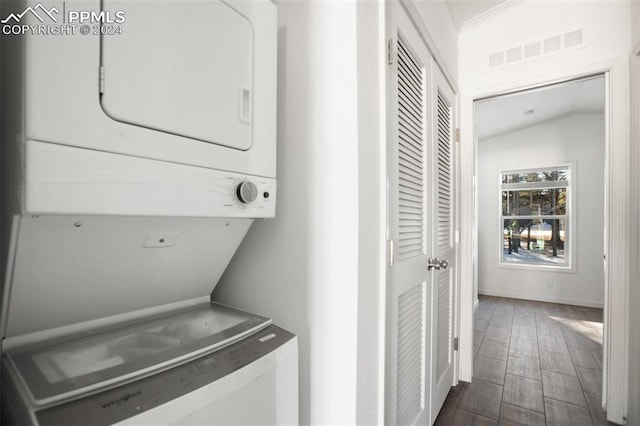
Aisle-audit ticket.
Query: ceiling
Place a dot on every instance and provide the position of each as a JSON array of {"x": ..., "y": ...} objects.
[
  {"x": 463, "y": 10},
  {"x": 505, "y": 114}
]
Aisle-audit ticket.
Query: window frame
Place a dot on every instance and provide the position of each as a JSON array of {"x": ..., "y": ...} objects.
[{"x": 569, "y": 217}]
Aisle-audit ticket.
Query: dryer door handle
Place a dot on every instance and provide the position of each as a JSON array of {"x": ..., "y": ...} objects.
[{"x": 245, "y": 105}]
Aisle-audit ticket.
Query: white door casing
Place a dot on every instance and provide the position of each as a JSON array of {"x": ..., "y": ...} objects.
[{"x": 617, "y": 236}]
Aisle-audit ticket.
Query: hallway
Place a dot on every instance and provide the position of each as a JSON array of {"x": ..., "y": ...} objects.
[{"x": 535, "y": 363}]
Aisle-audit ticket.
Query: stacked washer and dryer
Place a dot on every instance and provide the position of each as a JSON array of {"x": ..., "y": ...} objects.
[{"x": 135, "y": 157}]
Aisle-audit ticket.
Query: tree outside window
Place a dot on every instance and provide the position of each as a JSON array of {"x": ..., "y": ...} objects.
[{"x": 535, "y": 217}]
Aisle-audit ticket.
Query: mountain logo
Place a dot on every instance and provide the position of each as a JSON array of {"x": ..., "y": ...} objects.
[{"x": 36, "y": 11}]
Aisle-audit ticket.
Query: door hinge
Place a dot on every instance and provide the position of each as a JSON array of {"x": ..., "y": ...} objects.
[
  {"x": 101, "y": 79},
  {"x": 390, "y": 51},
  {"x": 455, "y": 343},
  {"x": 457, "y": 135},
  {"x": 390, "y": 251}
]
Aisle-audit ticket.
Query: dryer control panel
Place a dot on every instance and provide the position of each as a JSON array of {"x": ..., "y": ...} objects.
[{"x": 67, "y": 180}]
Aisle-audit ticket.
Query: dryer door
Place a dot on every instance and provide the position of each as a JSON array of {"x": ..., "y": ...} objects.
[{"x": 184, "y": 68}]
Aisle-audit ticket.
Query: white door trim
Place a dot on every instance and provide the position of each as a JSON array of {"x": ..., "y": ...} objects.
[
  {"x": 617, "y": 214},
  {"x": 634, "y": 299}
]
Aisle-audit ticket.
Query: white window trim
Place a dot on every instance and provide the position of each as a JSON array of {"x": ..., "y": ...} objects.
[{"x": 570, "y": 264}]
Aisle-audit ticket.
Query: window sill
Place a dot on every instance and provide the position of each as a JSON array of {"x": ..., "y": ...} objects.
[{"x": 537, "y": 267}]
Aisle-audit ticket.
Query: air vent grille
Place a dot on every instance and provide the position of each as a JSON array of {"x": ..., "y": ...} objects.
[{"x": 536, "y": 49}]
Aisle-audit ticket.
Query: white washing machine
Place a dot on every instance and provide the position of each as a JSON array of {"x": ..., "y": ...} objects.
[
  {"x": 138, "y": 146},
  {"x": 204, "y": 365}
]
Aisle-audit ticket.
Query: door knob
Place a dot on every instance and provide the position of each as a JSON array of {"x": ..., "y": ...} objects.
[
  {"x": 437, "y": 264},
  {"x": 433, "y": 264}
]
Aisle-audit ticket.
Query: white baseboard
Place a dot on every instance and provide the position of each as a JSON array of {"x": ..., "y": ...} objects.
[
  {"x": 475, "y": 304},
  {"x": 577, "y": 302}
]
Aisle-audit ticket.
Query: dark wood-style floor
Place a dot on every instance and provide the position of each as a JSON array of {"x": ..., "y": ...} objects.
[{"x": 535, "y": 363}]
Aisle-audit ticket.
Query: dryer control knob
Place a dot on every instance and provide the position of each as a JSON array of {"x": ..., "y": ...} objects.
[{"x": 247, "y": 192}]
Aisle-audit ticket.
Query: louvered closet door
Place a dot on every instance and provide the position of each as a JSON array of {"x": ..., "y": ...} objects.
[
  {"x": 443, "y": 206},
  {"x": 408, "y": 112}
]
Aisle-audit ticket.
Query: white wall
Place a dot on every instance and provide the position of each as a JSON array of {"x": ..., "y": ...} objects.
[
  {"x": 318, "y": 268},
  {"x": 372, "y": 226},
  {"x": 436, "y": 18},
  {"x": 578, "y": 139},
  {"x": 635, "y": 22},
  {"x": 605, "y": 35},
  {"x": 301, "y": 268}
]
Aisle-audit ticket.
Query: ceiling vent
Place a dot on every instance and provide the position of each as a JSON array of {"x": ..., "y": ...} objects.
[
  {"x": 532, "y": 49},
  {"x": 514, "y": 55},
  {"x": 552, "y": 44},
  {"x": 496, "y": 59},
  {"x": 573, "y": 39},
  {"x": 541, "y": 48}
]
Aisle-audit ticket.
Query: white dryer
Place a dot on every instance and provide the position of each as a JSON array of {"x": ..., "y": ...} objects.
[{"x": 164, "y": 112}]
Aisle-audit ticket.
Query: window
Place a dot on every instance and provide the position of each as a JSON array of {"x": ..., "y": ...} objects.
[{"x": 535, "y": 217}]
